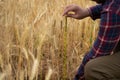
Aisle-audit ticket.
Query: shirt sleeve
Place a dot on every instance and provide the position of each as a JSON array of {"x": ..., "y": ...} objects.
[
  {"x": 95, "y": 11},
  {"x": 108, "y": 36}
]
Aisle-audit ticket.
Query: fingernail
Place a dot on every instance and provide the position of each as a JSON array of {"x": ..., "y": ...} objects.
[{"x": 63, "y": 14}]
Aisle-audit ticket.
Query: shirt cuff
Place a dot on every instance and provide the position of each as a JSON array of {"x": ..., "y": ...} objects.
[{"x": 95, "y": 11}]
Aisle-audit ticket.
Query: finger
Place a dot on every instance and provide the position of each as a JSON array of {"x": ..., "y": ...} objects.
[
  {"x": 75, "y": 16},
  {"x": 70, "y": 15},
  {"x": 68, "y": 9}
]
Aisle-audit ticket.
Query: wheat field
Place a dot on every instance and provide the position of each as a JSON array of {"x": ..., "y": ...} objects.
[{"x": 38, "y": 43}]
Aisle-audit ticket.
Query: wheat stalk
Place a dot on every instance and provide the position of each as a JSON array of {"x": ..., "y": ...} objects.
[
  {"x": 48, "y": 75},
  {"x": 65, "y": 51},
  {"x": 34, "y": 69}
]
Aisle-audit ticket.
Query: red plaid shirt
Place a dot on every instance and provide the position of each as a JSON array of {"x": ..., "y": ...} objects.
[{"x": 108, "y": 35}]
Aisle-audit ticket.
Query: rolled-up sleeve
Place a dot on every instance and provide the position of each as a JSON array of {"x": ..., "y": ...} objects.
[{"x": 95, "y": 11}]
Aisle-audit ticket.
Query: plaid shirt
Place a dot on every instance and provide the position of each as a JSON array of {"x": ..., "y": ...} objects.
[{"x": 108, "y": 35}]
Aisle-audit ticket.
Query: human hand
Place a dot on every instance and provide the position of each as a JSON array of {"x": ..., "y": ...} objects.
[{"x": 76, "y": 12}]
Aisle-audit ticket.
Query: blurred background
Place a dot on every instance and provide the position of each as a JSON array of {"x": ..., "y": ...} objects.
[{"x": 38, "y": 43}]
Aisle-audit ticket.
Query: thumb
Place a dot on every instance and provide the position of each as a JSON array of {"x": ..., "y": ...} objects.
[{"x": 71, "y": 15}]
